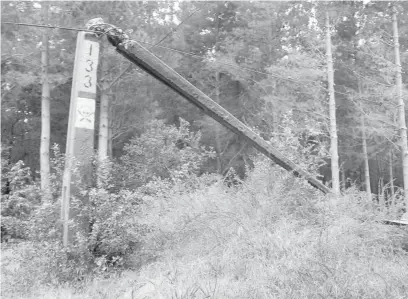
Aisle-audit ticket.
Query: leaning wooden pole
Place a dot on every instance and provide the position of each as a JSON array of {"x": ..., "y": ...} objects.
[{"x": 147, "y": 61}]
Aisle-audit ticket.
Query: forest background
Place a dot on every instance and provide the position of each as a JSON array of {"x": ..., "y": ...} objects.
[
  {"x": 258, "y": 60},
  {"x": 265, "y": 62}
]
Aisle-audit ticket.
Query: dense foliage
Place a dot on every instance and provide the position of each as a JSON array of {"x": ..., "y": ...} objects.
[
  {"x": 114, "y": 211},
  {"x": 181, "y": 200}
]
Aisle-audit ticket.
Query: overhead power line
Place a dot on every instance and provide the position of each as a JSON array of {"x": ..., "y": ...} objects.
[
  {"x": 49, "y": 27},
  {"x": 303, "y": 82},
  {"x": 168, "y": 48}
]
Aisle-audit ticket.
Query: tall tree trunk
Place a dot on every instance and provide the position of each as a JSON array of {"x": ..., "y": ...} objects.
[
  {"x": 391, "y": 175},
  {"x": 367, "y": 180},
  {"x": 217, "y": 99},
  {"x": 217, "y": 126},
  {"x": 392, "y": 202},
  {"x": 110, "y": 154},
  {"x": 343, "y": 179},
  {"x": 401, "y": 108},
  {"x": 366, "y": 165},
  {"x": 381, "y": 201},
  {"x": 332, "y": 110},
  {"x": 45, "y": 110},
  {"x": 1, "y": 150}
]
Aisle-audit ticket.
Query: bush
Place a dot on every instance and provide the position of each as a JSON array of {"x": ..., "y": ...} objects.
[
  {"x": 115, "y": 230},
  {"x": 164, "y": 152},
  {"x": 310, "y": 156},
  {"x": 33, "y": 264},
  {"x": 113, "y": 211},
  {"x": 23, "y": 196},
  {"x": 274, "y": 237},
  {"x": 114, "y": 236},
  {"x": 24, "y": 214}
]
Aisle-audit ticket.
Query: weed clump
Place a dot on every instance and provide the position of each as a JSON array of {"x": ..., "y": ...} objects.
[{"x": 274, "y": 237}]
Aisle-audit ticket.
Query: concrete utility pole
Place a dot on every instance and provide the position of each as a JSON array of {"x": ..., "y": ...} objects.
[
  {"x": 80, "y": 139},
  {"x": 147, "y": 61}
]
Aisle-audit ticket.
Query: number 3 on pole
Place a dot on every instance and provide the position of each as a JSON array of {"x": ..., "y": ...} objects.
[
  {"x": 89, "y": 67},
  {"x": 88, "y": 81}
]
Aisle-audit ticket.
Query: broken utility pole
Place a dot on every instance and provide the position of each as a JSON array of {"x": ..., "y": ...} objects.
[{"x": 147, "y": 61}]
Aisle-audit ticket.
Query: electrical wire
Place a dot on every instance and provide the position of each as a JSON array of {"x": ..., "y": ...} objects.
[
  {"x": 191, "y": 55},
  {"x": 171, "y": 49},
  {"x": 50, "y": 27}
]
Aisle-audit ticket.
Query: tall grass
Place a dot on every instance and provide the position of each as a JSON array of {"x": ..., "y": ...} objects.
[{"x": 272, "y": 237}]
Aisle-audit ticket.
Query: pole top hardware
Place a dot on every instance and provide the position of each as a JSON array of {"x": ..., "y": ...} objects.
[{"x": 115, "y": 35}]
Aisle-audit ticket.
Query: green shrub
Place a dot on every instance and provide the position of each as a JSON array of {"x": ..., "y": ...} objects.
[
  {"x": 115, "y": 231},
  {"x": 163, "y": 152},
  {"x": 309, "y": 156},
  {"x": 36, "y": 264},
  {"x": 114, "y": 236},
  {"x": 274, "y": 237},
  {"x": 57, "y": 164},
  {"x": 113, "y": 211},
  {"x": 23, "y": 197}
]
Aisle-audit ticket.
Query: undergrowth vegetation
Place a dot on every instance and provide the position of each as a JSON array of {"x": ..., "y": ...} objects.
[
  {"x": 272, "y": 238},
  {"x": 185, "y": 235}
]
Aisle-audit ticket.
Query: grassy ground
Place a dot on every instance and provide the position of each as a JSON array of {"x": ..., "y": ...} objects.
[{"x": 273, "y": 238}]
